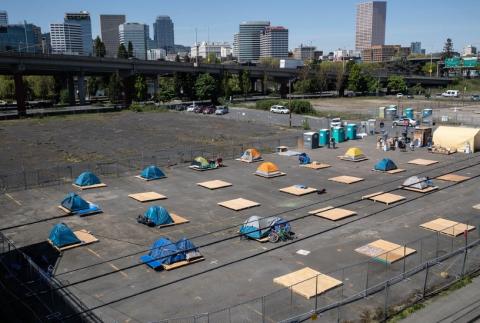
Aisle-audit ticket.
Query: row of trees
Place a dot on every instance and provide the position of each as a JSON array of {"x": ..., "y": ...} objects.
[{"x": 36, "y": 87}]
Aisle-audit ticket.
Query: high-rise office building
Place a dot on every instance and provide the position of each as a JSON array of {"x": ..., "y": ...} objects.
[
  {"x": 249, "y": 40},
  {"x": 82, "y": 19},
  {"x": 3, "y": 17},
  {"x": 416, "y": 47},
  {"x": 235, "y": 45},
  {"x": 20, "y": 38},
  {"x": 370, "y": 26},
  {"x": 66, "y": 39},
  {"x": 163, "y": 33},
  {"x": 274, "y": 42},
  {"x": 384, "y": 53},
  {"x": 109, "y": 31},
  {"x": 304, "y": 52},
  {"x": 137, "y": 34}
]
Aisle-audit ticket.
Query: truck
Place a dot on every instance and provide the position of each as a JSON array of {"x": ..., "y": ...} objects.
[{"x": 291, "y": 63}]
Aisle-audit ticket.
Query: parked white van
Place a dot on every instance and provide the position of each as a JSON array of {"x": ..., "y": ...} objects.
[{"x": 450, "y": 94}]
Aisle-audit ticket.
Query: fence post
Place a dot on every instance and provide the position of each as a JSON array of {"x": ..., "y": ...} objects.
[
  {"x": 404, "y": 258},
  {"x": 366, "y": 280},
  {"x": 25, "y": 179},
  {"x": 426, "y": 279},
  {"x": 385, "y": 305},
  {"x": 436, "y": 246},
  {"x": 465, "y": 234},
  {"x": 263, "y": 309},
  {"x": 316, "y": 293}
]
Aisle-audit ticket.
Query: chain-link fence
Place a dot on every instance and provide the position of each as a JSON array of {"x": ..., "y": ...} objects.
[
  {"x": 373, "y": 290},
  {"x": 124, "y": 167}
]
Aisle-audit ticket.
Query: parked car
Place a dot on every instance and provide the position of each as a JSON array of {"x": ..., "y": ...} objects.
[
  {"x": 410, "y": 96},
  {"x": 401, "y": 121},
  {"x": 209, "y": 109},
  {"x": 191, "y": 108},
  {"x": 335, "y": 122},
  {"x": 221, "y": 110},
  {"x": 450, "y": 94},
  {"x": 180, "y": 107},
  {"x": 198, "y": 109},
  {"x": 476, "y": 97},
  {"x": 279, "y": 109},
  {"x": 399, "y": 95}
]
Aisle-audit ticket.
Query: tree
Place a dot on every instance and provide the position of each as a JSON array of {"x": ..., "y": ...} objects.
[
  {"x": 122, "y": 51},
  {"x": 418, "y": 89},
  {"x": 40, "y": 87},
  {"x": 234, "y": 83},
  {"x": 447, "y": 49},
  {"x": 429, "y": 68},
  {"x": 130, "y": 49},
  {"x": 396, "y": 83},
  {"x": 356, "y": 80},
  {"x": 270, "y": 62},
  {"x": 177, "y": 58},
  {"x": 212, "y": 59},
  {"x": 7, "y": 87},
  {"x": 186, "y": 58},
  {"x": 245, "y": 83},
  {"x": 206, "y": 87},
  {"x": 141, "y": 88},
  {"x": 115, "y": 88},
  {"x": 373, "y": 84},
  {"x": 93, "y": 85},
  {"x": 166, "y": 89},
  {"x": 99, "y": 47}
]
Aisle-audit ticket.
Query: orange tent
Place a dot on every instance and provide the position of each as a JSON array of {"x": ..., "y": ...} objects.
[
  {"x": 251, "y": 155},
  {"x": 267, "y": 169}
]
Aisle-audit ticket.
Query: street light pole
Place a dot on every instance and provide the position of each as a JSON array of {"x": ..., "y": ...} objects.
[{"x": 290, "y": 103}]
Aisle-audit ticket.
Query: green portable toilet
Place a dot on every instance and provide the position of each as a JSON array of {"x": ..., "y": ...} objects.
[
  {"x": 409, "y": 113},
  {"x": 324, "y": 137},
  {"x": 351, "y": 131},
  {"x": 427, "y": 112},
  {"x": 338, "y": 133}
]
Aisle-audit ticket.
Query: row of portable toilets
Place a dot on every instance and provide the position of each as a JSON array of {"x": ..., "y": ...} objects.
[
  {"x": 313, "y": 140},
  {"x": 390, "y": 112}
]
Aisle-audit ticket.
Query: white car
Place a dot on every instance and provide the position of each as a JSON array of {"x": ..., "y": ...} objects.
[
  {"x": 279, "y": 109},
  {"x": 402, "y": 121},
  {"x": 191, "y": 108},
  {"x": 335, "y": 122},
  {"x": 399, "y": 95},
  {"x": 450, "y": 94}
]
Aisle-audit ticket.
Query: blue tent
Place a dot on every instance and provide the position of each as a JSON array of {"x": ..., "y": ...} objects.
[
  {"x": 158, "y": 215},
  {"x": 87, "y": 179},
  {"x": 304, "y": 159},
  {"x": 162, "y": 252},
  {"x": 61, "y": 235},
  {"x": 187, "y": 247},
  {"x": 385, "y": 165},
  {"x": 152, "y": 172},
  {"x": 74, "y": 202}
]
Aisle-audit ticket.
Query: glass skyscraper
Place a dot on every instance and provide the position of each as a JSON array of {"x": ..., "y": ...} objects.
[
  {"x": 370, "y": 26},
  {"x": 249, "y": 40},
  {"x": 82, "y": 18},
  {"x": 163, "y": 34}
]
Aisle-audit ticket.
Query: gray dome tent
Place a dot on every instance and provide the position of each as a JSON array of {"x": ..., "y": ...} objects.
[{"x": 418, "y": 182}]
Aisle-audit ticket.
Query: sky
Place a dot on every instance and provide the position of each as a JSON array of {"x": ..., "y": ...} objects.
[{"x": 327, "y": 24}]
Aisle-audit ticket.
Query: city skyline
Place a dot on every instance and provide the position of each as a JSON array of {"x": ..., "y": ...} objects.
[{"x": 326, "y": 27}]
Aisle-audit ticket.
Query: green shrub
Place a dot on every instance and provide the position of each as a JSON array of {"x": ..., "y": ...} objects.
[
  {"x": 300, "y": 107},
  {"x": 136, "y": 107},
  {"x": 267, "y": 104}
]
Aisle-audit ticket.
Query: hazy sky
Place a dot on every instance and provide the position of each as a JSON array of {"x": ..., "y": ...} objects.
[{"x": 326, "y": 24}]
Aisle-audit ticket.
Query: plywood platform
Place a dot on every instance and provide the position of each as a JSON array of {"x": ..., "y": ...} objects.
[
  {"x": 200, "y": 169},
  {"x": 149, "y": 180},
  {"x": 238, "y": 204},
  {"x": 346, "y": 179},
  {"x": 453, "y": 178},
  {"x": 214, "y": 185},
  {"x": 385, "y": 251},
  {"x": 418, "y": 190},
  {"x": 271, "y": 176},
  {"x": 182, "y": 263},
  {"x": 83, "y": 235},
  {"x": 308, "y": 282},
  {"x": 177, "y": 219},
  {"x": 316, "y": 165},
  {"x": 350, "y": 159},
  {"x": 448, "y": 227},
  {"x": 297, "y": 191},
  {"x": 89, "y": 187},
  {"x": 92, "y": 211},
  {"x": 147, "y": 196},
  {"x": 423, "y": 162},
  {"x": 396, "y": 171},
  {"x": 387, "y": 198},
  {"x": 249, "y": 161},
  {"x": 332, "y": 213}
]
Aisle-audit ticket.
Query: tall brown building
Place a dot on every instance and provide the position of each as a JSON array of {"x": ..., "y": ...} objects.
[
  {"x": 109, "y": 30},
  {"x": 370, "y": 27},
  {"x": 384, "y": 53}
]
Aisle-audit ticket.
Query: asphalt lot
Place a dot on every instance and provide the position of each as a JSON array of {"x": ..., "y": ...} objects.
[{"x": 234, "y": 270}]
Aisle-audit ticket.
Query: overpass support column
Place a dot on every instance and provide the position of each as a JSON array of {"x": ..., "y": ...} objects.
[
  {"x": 283, "y": 89},
  {"x": 71, "y": 90},
  {"x": 81, "y": 88},
  {"x": 128, "y": 89},
  {"x": 20, "y": 94}
]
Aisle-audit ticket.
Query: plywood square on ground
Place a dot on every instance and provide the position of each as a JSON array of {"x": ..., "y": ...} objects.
[
  {"x": 147, "y": 196},
  {"x": 249, "y": 161},
  {"x": 453, "y": 178},
  {"x": 385, "y": 251},
  {"x": 238, "y": 204},
  {"x": 149, "y": 180},
  {"x": 83, "y": 235},
  {"x": 346, "y": 179},
  {"x": 395, "y": 171},
  {"x": 316, "y": 165},
  {"x": 297, "y": 191},
  {"x": 447, "y": 227},
  {"x": 89, "y": 187},
  {"x": 332, "y": 213},
  {"x": 423, "y": 162},
  {"x": 308, "y": 282},
  {"x": 477, "y": 206},
  {"x": 215, "y": 184},
  {"x": 182, "y": 263},
  {"x": 277, "y": 174},
  {"x": 421, "y": 190},
  {"x": 387, "y": 198},
  {"x": 350, "y": 159},
  {"x": 177, "y": 219}
]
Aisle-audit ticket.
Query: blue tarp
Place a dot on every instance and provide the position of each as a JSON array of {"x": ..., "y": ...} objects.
[
  {"x": 385, "y": 165},
  {"x": 158, "y": 215},
  {"x": 162, "y": 252},
  {"x": 304, "y": 159},
  {"x": 152, "y": 172},
  {"x": 74, "y": 203},
  {"x": 87, "y": 179},
  {"x": 61, "y": 235},
  {"x": 257, "y": 228}
]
